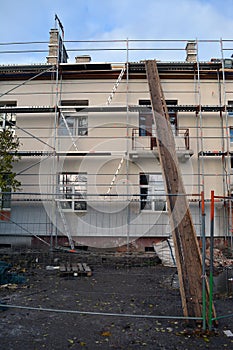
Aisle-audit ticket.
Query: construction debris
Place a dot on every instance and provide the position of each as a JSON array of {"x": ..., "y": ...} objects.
[
  {"x": 7, "y": 277},
  {"x": 166, "y": 252},
  {"x": 219, "y": 259}
]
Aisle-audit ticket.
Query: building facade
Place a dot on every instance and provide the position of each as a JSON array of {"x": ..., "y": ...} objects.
[{"x": 89, "y": 170}]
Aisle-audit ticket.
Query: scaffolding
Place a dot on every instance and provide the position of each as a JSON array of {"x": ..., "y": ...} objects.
[
  {"x": 122, "y": 75},
  {"x": 217, "y": 69},
  {"x": 93, "y": 122}
]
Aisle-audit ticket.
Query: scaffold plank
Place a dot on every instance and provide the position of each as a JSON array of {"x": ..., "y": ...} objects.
[{"x": 109, "y": 108}]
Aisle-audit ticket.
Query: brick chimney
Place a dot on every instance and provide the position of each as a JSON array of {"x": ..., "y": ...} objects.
[
  {"x": 57, "y": 50},
  {"x": 191, "y": 51}
]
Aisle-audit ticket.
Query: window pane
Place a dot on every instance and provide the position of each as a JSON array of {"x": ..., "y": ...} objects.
[
  {"x": 73, "y": 187},
  {"x": 82, "y": 126},
  {"x": 74, "y": 125},
  {"x": 152, "y": 192},
  {"x": 70, "y": 123},
  {"x": 231, "y": 134},
  {"x": 66, "y": 205},
  {"x": 78, "y": 205},
  {"x": 230, "y": 103},
  {"x": 6, "y": 200},
  {"x": 160, "y": 205},
  {"x": 8, "y": 120}
]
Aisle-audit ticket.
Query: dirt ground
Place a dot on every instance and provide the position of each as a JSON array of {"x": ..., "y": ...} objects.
[{"x": 118, "y": 291}]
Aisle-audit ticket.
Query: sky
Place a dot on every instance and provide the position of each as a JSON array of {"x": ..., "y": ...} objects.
[{"x": 31, "y": 21}]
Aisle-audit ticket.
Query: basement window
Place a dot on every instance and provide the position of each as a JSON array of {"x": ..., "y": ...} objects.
[
  {"x": 149, "y": 249},
  {"x": 73, "y": 190},
  {"x": 152, "y": 192}
]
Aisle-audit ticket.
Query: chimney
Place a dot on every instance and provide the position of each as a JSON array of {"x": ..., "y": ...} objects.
[
  {"x": 57, "y": 50},
  {"x": 83, "y": 59},
  {"x": 191, "y": 51}
]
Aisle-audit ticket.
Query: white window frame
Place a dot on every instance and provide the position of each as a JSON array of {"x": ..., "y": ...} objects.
[
  {"x": 73, "y": 191},
  {"x": 78, "y": 125},
  {"x": 153, "y": 193},
  {"x": 8, "y": 120}
]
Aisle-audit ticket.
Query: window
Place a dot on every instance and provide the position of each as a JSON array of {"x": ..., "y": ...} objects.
[
  {"x": 73, "y": 187},
  {"x": 231, "y": 134},
  {"x": 5, "y": 197},
  {"x": 230, "y": 104},
  {"x": 173, "y": 116},
  {"x": 5, "y": 200},
  {"x": 152, "y": 193},
  {"x": 73, "y": 125},
  {"x": 146, "y": 123},
  {"x": 146, "y": 120},
  {"x": 79, "y": 103},
  {"x": 7, "y": 120}
]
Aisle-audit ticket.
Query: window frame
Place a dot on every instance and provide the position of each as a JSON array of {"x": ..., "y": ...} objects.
[
  {"x": 231, "y": 134},
  {"x": 147, "y": 129},
  {"x": 8, "y": 120},
  {"x": 71, "y": 189},
  {"x": 77, "y": 129},
  {"x": 77, "y": 106},
  {"x": 148, "y": 185},
  {"x": 230, "y": 103}
]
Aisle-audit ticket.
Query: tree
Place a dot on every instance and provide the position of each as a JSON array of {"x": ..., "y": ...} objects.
[{"x": 9, "y": 145}]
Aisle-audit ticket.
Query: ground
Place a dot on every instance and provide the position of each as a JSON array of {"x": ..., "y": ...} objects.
[{"x": 129, "y": 286}]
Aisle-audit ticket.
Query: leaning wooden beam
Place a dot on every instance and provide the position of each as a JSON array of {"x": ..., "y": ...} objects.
[{"x": 187, "y": 250}]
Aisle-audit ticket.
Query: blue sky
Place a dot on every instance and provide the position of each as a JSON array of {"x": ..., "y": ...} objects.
[{"x": 29, "y": 20}]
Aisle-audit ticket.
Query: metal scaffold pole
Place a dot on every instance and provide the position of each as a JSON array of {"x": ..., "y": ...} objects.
[
  {"x": 210, "y": 314},
  {"x": 228, "y": 161}
]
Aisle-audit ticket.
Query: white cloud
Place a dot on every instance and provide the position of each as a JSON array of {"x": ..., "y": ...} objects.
[
  {"x": 133, "y": 19},
  {"x": 169, "y": 19}
]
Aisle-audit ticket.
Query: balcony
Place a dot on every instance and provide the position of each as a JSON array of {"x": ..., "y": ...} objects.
[{"x": 146, "y": 146}]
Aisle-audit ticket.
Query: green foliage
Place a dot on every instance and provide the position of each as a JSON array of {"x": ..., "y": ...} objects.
[{"x": 9, "y": 145}]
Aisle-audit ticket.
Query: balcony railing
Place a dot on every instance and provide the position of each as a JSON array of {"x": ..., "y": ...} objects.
[{"x": 149, "y": 142}]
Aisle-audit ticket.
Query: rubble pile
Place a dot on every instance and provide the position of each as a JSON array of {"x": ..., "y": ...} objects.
[{"x": 220, "y": 260}]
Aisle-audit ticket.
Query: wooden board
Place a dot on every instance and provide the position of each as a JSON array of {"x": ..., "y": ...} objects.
[
  {"x": 75, "y": 269},
  {"x": 187, "y": 250}
]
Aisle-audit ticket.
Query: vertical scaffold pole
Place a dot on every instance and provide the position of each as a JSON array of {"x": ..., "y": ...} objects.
[
  {"x": 203, "y": 261},
  {"x": 211, "y": 259}
]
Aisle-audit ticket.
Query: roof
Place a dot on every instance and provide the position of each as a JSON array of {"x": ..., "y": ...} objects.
[{"x": 108, "y": 70}]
